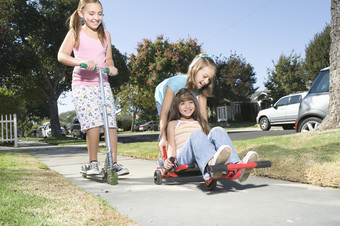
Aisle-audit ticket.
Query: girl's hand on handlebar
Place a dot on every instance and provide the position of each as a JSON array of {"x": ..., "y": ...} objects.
[
  {"x": 90, "y": 65},
  {"x": 113, "y": 70}
]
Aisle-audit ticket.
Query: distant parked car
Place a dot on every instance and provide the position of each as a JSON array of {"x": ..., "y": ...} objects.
[
  {"x": 136, "y": 125},
  {"x": 284, "y": 112},
  {"x": 77, "y": 133},
  {"x": 75, "y": 129},
  {"x": 47, "y": 132},
  {"x": 63, "y": 131},
  {"x": 153, "y": 125},
  {"x": 40, "y": 131},
  {"x": 313, "y": 107}
]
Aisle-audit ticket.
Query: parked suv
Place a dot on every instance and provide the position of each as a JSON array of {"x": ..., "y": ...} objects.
[
  {"x": 314, "y": 106},
  {"x": 284, "y": 112}
]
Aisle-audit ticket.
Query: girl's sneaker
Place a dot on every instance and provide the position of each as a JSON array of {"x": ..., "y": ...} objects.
[
  {"x": 120, "y": 170},
  {"x": 221, "y": 157},
  {"x": 93, "y": 168},
  {"x": 251, "y": 156}
]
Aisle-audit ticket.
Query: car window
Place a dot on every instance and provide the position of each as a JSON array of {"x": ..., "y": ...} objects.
[
  {"x": 321, "y": 83},
  {"x": 283, "y": 101},
  {"x": 295, "y": 99}
]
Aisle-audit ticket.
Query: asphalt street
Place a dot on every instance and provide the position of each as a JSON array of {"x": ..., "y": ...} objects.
[
  {"x": 185, "y": 201},
  {"x": 244, "y": 134}
]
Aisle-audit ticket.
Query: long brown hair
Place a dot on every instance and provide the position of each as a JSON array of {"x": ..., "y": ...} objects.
[
  {"x": 185, "y": 94},
  {"x": 199, "y": 62},
  {"x": 75, "y": 23}
]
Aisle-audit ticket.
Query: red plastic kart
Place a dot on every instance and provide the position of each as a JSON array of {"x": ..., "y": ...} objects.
[{"x": 230, "y": 171}]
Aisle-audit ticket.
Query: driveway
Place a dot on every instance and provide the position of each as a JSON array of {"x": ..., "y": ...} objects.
[{"x": 184, "y": 201}]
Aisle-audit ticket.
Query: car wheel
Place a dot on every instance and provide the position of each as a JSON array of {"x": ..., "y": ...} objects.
[
  {"x": 264, "y": 124},
  {"x": 309, "y": 124}
]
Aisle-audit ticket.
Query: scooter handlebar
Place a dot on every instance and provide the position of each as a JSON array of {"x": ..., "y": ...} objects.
[{"x": 106, "y": 70}]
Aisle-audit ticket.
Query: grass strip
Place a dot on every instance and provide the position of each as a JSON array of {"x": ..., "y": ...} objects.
[
  {"x": 31, "y": 194},
  {"x": 312, "y": 158}
]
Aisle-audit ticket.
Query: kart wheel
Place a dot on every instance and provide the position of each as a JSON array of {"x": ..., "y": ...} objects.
[
  {"x": 212, "y": 186},
  {"x": 112, "y": 177},
  {"x": 157, "y": 178}
]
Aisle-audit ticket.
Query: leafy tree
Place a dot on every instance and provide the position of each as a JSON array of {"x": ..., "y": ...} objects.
[
  {"x": 332, "y": 119},
  {"x": 120, "y": 62},
  {"x": 156, "y": 61},
  {"x": 38, "y": 30},
  {"x": 286, "y": 77},
  {"x": 11, "y": 103},
  {"x": 66, "y": 118},
  {"x": 317, "y": 54},
  {"x": 235, "y": 78},
  {"x": 130, "y": 101},
  {"x": 7, "y": 40}
]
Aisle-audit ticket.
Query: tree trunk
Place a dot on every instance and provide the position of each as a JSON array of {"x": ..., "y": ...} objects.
[
  {"x": 133, "y": 121},
  {"x": 332, "y": 119},
  {"x": 54, "y": 116}
]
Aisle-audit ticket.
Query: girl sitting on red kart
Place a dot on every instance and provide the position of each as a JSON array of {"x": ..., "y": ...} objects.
[{"x": 190, "y": 141}]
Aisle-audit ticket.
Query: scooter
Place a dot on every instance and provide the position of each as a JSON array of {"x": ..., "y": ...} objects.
[{"x": 107, "y": 172}]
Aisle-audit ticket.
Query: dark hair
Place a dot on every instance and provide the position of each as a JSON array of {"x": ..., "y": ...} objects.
[
  {"x": 185, "y": 94},
  {"x": 75, "y": 23}
]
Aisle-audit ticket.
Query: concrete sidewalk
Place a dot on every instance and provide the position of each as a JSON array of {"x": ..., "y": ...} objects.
[{"x": 184, "y": 201}]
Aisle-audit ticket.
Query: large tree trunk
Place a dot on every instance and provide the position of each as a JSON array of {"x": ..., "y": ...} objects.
[
  {"x": 332, "y": 119},
  {"x": 54, "y": 116}
]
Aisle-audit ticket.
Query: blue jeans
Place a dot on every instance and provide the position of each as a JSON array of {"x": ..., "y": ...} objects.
[{"x": 200, "y": 148}]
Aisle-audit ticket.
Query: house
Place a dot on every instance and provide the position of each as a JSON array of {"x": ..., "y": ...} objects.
[{"x": 230, "y": 110}]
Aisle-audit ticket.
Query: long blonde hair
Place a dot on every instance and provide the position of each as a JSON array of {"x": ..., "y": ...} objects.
[
  {"x": 75, "y": 23},
  {"x": 199, "y": 62},
  {"x": 185, "y": 94}
]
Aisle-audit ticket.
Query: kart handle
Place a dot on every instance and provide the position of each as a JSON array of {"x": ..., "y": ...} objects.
[
  {"x": 223, "y": 167},
  {"x": 172, "y": 159},
  {"x": 106, "y": 70}
]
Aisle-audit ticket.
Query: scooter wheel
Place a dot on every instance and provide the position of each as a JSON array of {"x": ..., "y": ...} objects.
[
  {"x": 212, "y": 186},
  {"x": 83, "y": 169},
  {"x": 157, "y": 178},
  {"x": 112, "y": 177}
]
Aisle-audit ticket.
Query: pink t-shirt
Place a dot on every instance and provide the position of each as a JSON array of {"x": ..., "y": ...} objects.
[{"x": 89, "y": 49}]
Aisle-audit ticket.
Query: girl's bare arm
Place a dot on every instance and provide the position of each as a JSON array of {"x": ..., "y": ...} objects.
[{"x": 202, "y": 102}]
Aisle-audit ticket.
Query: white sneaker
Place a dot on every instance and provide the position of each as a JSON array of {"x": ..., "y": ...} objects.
[
  {"x": 221, "y": 157},
  {"x": 251, "y": 156},
  {"x": 93, "y": 168},
  {"x": 120, "y": 170}
]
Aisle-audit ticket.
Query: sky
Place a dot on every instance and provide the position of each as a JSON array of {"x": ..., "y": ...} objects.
[{"x": 258, "y": 30}]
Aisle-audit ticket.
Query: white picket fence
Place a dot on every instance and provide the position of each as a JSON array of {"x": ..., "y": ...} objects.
[{"x": 9, "y": 129}]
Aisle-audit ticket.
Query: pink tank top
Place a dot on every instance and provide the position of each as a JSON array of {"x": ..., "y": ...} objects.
[
  {"x": 89, "y": 49},
  {"x": 183, "y": 131}
]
